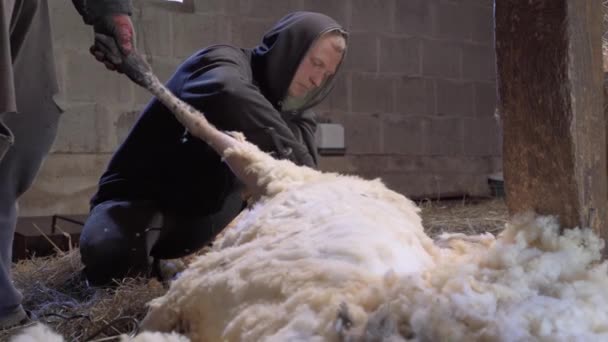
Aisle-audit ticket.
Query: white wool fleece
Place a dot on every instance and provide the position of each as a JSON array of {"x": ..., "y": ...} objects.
[
  {"x": 312, "y": 241},
  {"x": 531, "y": 284},
  {"x": 42, "y": 333}
]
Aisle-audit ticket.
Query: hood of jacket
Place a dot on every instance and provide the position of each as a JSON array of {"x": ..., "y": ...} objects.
[{"x": 277, "y": 58}]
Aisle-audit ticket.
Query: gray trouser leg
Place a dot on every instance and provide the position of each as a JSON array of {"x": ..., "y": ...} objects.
[
  {"x": 10, "y": 298},
  {"x": 120, "y": 236},
  {"x": 34, "y": 128}
]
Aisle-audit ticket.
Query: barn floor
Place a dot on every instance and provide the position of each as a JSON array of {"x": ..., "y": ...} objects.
[
  {"x": 55, "y": 293},
  {"x": 469, "y": 216}
]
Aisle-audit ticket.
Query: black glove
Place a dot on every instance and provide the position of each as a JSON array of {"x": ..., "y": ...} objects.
[
  {"x": 114, "y": 33},
  {"x": 114, "y": 40}
]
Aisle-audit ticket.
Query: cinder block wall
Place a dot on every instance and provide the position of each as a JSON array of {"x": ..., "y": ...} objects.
[{"x": 416, "y": 96}]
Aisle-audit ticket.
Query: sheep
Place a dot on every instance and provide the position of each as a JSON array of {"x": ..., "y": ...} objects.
[{"x": 323, "y": 256}]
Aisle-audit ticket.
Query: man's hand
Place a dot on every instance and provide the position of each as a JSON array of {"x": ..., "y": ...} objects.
[{"x": 114, "y": 40}]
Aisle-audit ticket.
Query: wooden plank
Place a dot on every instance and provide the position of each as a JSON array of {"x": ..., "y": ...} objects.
[{"x": 550, "y": 89}]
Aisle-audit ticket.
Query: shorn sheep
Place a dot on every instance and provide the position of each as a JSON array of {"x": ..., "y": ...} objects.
[{"x": 327, "y": 257}]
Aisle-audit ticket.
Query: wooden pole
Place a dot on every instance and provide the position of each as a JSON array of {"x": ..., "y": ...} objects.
[{"x": 550, "y": 89}]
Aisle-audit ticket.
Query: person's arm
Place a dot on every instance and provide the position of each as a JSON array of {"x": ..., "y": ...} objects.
[
  {"x": 307, "y": 125},
  {"x": 114, "y": 33},
  {"x": 232, "y": 102}
]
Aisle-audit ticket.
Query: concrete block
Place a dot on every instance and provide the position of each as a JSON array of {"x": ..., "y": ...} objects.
[
  {"x": 400, "y": 55},
  {"x": 420, "y": 186},
  {"x": 481, "y": 137},
  {"x": 210, "y": 6},
  {"x": 338, "y": 98},
  {"x": 441, "y": 59},
  {"x": 455, "y": 98},
  {"x": 363, "y": 51},
  {"x": 404, "y": 135},
  {"x": 482, "y": 3},
  {"x": 372, "y": 93},
  {"x": 371, "y": 15},
  {"x": 123, "y": 125},
  {"x": 414, "y": 17},
  {"x": 485, "y": 99},
  {"x": 470, "y": 165},
  {"x": 482, "y": 30},
  {"x": 454, "y": 21},
  {"x": 87, "y": 80},
  {"x": 153, "y": 29},
  {"x": 445, "y": 136},
  {"x": 55, "y": 6},
  {"x": 496, "y": 162},
  {"x": 248, "y": 32},
  {"x": 340, "y": 164},
  {"x": 411, "y": 185},
  {"x": 406, "y": 163},
  {"x": 371, "y": 166},
  {"x": 64, "y": 185},
  {"x": 362, "y": 132},
  {"x": 84, "y": 129},
  {"x": 440, "y": 176},
  {"x": 456, "y": 184},
  {"x": 337, "y": 9},
  {"x": 414, "y": 95},
  {"x": 436, "y": 164},
  {"x": 68, "y": 29},
  {"x": 192, "y": 32},
  {"x": 186, "y": 6},
  {"x": 368, "y": 166},
  {"x": 267, "y": 9},
  {"x": 478, "y": 62}
]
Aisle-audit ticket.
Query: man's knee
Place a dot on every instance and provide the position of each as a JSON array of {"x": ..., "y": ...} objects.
[
  {"x": 109, "y": 251},
  {"x": 106, "y": 258}
]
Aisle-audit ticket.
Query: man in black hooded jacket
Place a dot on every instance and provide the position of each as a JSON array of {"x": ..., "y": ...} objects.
[{"x": 166, "y": 194}]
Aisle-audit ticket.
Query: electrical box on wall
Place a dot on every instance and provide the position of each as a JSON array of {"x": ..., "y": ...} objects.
[{"x": 330, "y": 139}]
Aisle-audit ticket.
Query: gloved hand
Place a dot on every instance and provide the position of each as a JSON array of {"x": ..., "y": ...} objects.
[
  {"x": 114, "y": 34},
  {"x": 114, "y": 40}
]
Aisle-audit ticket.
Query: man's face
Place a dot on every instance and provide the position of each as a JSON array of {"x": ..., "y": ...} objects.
[{"x": 320, "y": 63}]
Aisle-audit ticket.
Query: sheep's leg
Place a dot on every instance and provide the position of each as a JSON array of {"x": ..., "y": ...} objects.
[
  {"x": 139, "y": 71},
  {"x": 344, "y": 323},
  {"x": 380, "y": 326}
]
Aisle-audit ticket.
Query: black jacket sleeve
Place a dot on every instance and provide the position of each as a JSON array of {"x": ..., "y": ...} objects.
[
  {"x": 304, "y": 127},
  {"x": 225, "y": 93},
  {"x": 91, "y": 10}
]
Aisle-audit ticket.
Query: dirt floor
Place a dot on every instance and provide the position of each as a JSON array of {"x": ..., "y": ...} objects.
[{"x": 55, "y": 293}]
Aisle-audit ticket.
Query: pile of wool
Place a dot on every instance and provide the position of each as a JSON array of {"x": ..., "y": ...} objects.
[
  {"x": 42, "y": 333},
  {"x": 531, "y": 284}
]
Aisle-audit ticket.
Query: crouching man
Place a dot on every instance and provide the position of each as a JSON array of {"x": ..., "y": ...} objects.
[{"x": 166, "y": 194}]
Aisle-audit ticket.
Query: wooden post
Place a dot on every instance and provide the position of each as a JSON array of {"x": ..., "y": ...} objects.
[{"x": 550, "y": 89}]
